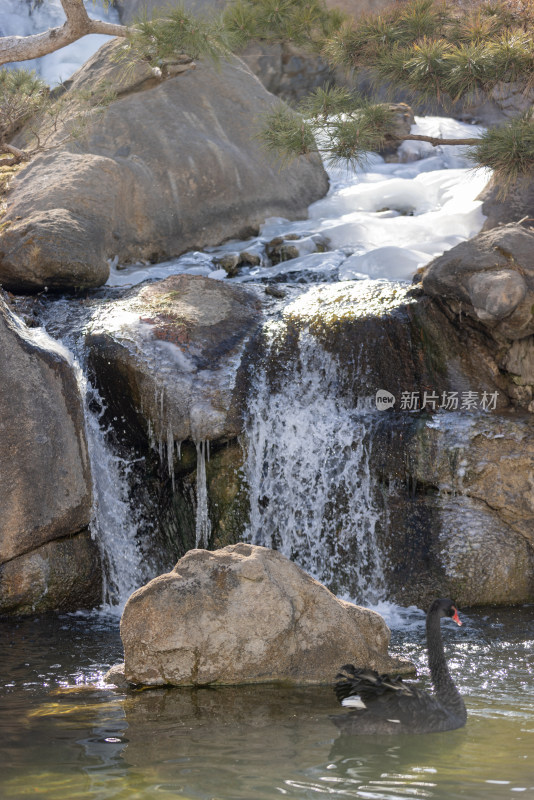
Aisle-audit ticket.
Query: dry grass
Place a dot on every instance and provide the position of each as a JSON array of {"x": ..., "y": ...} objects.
[{"x": 7, "y": 174}]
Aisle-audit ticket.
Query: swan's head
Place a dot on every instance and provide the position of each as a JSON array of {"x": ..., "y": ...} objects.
[{"x": 445, "y": 608}]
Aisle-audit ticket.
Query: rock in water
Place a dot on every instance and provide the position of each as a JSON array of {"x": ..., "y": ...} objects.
[
  {"x": 170, "y": 166},
  {"x": 47, "y": 557},
  {"x": 246, "y": 614}
]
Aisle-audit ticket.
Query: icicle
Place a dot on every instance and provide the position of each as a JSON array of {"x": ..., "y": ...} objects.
[
  {"x": 170, "y": 453},
  {"x": 203, "y": 524}
]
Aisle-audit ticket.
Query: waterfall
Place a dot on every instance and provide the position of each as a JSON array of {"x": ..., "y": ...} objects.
[
  {"x": 308, "y": 450},
  {"x": 114, "y": 524}
]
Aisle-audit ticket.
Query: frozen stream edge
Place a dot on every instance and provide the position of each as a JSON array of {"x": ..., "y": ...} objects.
[{"x": 385, "y": 220}]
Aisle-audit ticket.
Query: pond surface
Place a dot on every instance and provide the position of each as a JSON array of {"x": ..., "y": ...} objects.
[{"x": 64, "y": 735}]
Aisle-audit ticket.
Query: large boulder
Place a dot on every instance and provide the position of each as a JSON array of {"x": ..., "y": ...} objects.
[
  {"x": 490, "y": 278},
  {"x": 245, "y": 614},
  {"x": 45, "y": 481},
  {"x": 62, "y": 575},
  {"x": 172, "y": 164},
  {"x": 488, "y": 283}
]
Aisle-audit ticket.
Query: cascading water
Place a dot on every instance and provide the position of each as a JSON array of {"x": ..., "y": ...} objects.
[
  {"x": 115, "y": 520},
  {"x": 114, "y": 524},
  {"x": 309, "y": 448},
  {"x": 312, "y": 493}
]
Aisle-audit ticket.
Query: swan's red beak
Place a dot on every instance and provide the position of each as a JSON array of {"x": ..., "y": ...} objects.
[{"x": 455, "y": 617}]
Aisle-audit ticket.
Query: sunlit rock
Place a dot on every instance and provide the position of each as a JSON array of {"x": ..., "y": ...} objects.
[
  {"x": 171, "y": 165},
  {"x": 45, "y": 482},
  {"x": 515, "y": 204},
  {"x": 490, "y": 277},
  {"x": 489, "y": 282},
  {"x": 246, "y": 614}
]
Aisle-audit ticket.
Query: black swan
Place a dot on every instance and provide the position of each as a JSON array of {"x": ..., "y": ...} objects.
[{"x": 385, "y": 704}]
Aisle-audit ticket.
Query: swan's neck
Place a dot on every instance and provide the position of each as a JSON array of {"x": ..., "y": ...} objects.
[{"x": 444, "y": 686}]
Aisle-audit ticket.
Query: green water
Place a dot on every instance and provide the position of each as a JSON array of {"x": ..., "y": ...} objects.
[{"x": 63, "y": 739}]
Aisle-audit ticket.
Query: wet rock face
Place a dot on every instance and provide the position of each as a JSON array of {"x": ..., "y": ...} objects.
[
  {"x": 167, "y": 361},
  {"x": 170, "y": 166},
  {"x": 245, "y": 614},
  {"x": 386, "y": 337},
  {"x": 452, "y": 489},
  {"x": 460, "y": 511},
  {"x": 168, "y": 355},
  {"x": 45, "y": 483}
]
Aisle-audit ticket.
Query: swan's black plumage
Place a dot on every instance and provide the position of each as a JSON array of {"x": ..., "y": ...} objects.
[{"x": 389, "y": 705}]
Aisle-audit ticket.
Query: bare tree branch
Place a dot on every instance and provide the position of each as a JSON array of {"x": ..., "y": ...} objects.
[
  {"x": 436, "y": 141},
  {"x": 20, "y": 154},
  {"x": 78, "y": 24}
]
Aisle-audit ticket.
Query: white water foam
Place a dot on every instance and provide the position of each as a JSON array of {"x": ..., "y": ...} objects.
[{"x": 308, "y": 471}]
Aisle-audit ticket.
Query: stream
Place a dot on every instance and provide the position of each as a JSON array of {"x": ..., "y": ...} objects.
[{"x": 65, "y": 735}]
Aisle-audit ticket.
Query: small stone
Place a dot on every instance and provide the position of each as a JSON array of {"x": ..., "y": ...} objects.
[
  {"x": 288, "y": 251},
  {"x": 276, "y": 242},
  {"x": 275, "y": 291},
  {"x": 250, "y": 257},
  {"x": 115, "y": 677},
  {"x": 229, "y": 262}
]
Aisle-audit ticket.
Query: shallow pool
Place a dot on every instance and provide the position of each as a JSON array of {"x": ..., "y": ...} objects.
[{"x": 64, "y": 735}]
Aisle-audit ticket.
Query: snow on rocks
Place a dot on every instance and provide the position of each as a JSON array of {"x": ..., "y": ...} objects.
[{"x": 423, "y": 205}]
